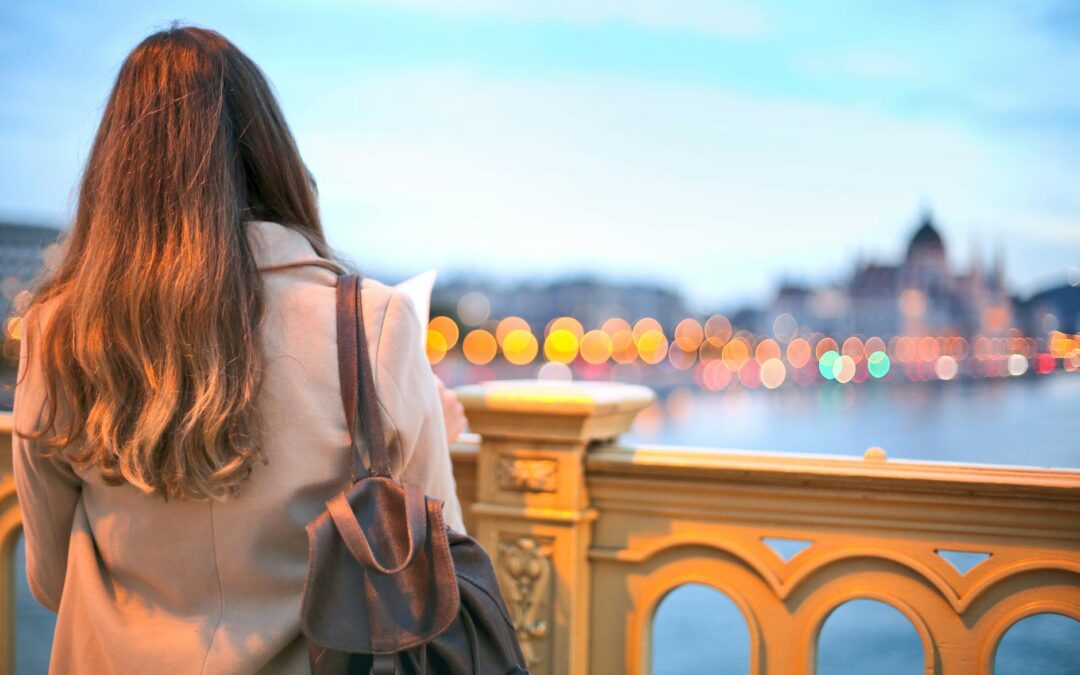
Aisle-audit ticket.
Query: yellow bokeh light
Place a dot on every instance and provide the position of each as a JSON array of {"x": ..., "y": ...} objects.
[
  {"x": 520, "y": 347},
  {"x": 645, "y": 325},
  {"x": 479, "y": 347},
  {"x": 652, "y": 346},
  {"x": 596, "y": 347},
  {"x": 508, "y": 325},
  {"x": 447, "y": 327},
  {"x": 436, "y": 346},
  {"x": 13, "y": 328},
  {"x": 561, "y": 346}
]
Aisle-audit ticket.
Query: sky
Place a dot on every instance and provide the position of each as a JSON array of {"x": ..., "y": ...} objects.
[{"x": 715, "y": 146}]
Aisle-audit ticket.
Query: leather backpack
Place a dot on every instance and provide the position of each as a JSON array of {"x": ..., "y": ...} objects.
[{"x": 390, "y": 589}]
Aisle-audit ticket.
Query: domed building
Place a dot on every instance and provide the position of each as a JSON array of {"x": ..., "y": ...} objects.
[{"x": 922, "y": 295}]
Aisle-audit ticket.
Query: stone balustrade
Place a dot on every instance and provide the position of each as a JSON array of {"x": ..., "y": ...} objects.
[{"x": 588, "y": 536}]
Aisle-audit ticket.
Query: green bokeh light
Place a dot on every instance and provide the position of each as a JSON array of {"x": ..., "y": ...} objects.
[
  {"x": 878, "y": 364},
  {"x": 826, "y": 364}
]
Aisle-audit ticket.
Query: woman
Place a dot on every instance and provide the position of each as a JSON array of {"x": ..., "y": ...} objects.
[{"x": 178, "y": 411}]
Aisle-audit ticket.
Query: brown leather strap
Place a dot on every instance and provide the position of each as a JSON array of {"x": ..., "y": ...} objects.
[
  {"x": 354, "y": 369},
  {"x": 353, "y": 535},
  {"x": 370, "y": 418},
  {"x": 346, "y": 344}
]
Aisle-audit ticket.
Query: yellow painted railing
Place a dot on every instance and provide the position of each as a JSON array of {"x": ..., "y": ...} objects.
[{"x": 588, "y": 536}]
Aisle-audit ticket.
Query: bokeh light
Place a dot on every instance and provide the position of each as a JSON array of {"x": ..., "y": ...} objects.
[
  {"x": 615, "y": 325},
  {"x": 651, "y": 346},
  {"x": 826, "y": 363},
  {"x": 596, "y": 347},
  {"x": 623, "y": 347},
  {"x": 853, "y": 347},
  {"x": 479, "y": 347},
  {"x": 520, "y": 346},
  {"x": 436, "y": 346},
  {"x": 766, "y": 350},
  {"x": 824, "y": 346},
  {"x": 946, "y": 367},
  {"x": 508, "y": 325},
  {"x": 878, "y": 364},
  {"x": 798, "y": 352},
  {"x": 784, "y": 327},
  {"x": 735, "y": 354},
  {"x": 473, "y": 308},
  {"x": 561, "y": 346},
  {"x": 446, "y": 327},
  {"x": 567, "y": 323},
  {"x": 718, "y": 327},
  {"x": 773, "y": 373},
  {"x": 689, "y": 335},
  {"x": 844, "y": 369},
  {"x": 1017, "y": 365},
  {"x": 554, "y": 371}
]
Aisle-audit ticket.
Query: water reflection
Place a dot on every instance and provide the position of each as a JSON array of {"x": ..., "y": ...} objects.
[{"x": 1031, "y": 422}]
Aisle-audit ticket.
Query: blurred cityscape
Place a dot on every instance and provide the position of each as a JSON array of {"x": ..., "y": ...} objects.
[{"x": 920, "y": 318}]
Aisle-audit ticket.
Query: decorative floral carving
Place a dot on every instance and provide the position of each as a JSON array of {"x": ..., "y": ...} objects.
[
  {"x": 525, "y": 575},
  {"x": 527, "y": 475}
]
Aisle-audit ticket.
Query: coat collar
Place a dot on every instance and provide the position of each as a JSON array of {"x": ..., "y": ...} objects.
[{"x": 275, "y": 246}]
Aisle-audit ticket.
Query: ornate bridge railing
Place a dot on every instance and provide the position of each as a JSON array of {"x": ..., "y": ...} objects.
[{"x": 588, "y": 536}]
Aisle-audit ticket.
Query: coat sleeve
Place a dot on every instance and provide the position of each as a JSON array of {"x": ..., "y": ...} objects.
[
  {"x": 419, "y": 451},
  {"x": 48, "y": 488}
]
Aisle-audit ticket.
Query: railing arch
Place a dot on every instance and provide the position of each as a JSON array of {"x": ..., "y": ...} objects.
[
  {"x": 653, "y": 588},
  {"x": 1012, "y": 612},
  {"x": 820, "y": 614}
]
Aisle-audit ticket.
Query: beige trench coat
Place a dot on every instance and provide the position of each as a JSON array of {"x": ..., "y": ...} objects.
[{"x": 147, "y": 586}]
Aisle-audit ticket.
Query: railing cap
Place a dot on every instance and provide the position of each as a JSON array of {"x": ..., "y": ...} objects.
[
  {"x": 554, "y": 397},
  {"x": 539, "y": 409}
]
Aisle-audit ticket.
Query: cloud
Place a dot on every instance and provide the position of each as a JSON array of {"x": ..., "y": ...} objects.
[{"x": 716, "y": 190}]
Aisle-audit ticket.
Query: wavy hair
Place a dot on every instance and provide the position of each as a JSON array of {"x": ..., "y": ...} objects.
[{"x": 150, "y": 352}]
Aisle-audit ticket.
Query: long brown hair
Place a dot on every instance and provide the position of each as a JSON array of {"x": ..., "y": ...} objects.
[{"x": 150, "y": 352}]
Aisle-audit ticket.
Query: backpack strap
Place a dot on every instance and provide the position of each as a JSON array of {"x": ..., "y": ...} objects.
[{"x": 357, "y": 380}]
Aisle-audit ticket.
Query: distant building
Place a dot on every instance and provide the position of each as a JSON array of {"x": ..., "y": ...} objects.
[
  {"x": 922, "y": 295},
  {"x": 1052, "y": 309},
  {"x": 589, "y": 300}
]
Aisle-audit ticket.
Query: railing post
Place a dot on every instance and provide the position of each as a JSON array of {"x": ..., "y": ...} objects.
[{"x": 532, "y": 511}]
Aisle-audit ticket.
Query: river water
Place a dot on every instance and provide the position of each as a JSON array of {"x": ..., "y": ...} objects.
[{"x": 1031, "y": 421}]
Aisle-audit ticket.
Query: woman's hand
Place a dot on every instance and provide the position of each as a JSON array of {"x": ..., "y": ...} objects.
[{"x": 453, "y": 411}]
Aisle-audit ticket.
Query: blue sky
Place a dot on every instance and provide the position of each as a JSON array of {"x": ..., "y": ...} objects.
[{"x": 713, "y": 145}]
